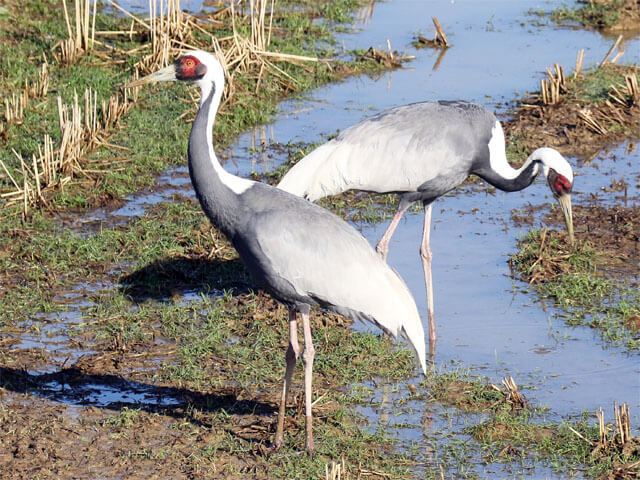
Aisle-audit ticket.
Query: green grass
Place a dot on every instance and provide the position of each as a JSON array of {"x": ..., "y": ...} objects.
[
  {"x": 583, "y": 291},
  {"x": 150, "y": 151},
  {"x": 532, "y": 436},
  {"x": 231, "y": 338},
  {"x": 590, "y": 14}
]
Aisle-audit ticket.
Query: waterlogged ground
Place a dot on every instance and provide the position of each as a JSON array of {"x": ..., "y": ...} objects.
[
  {"x": 483, "y": 317},
  {"x": 489, "y": 323}
]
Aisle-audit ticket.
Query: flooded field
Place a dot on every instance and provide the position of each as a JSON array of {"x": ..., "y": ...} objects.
[
  {"x": 485, "y": 319},
  {"x": 488, "y": 322}
]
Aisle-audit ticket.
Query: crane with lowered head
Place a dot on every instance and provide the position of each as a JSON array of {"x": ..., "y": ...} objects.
[{"x": 421, "y": 151}]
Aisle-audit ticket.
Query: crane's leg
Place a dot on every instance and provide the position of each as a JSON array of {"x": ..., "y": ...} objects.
[
  {"x": 383, "y": 245},
  {"x": 293, "y": 352},
  {"x": 425, "y": 254},
  {"x": 307, "y": 358}
]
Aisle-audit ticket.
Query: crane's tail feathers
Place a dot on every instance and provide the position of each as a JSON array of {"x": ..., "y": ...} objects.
[
  {"x": 414, "y": 334},
  {"x": 313, "y": 176}
]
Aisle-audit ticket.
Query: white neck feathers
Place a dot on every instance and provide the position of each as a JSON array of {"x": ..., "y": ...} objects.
[
  {"x": 552, "y": 159},
  {"x": 236, "y": 184}
]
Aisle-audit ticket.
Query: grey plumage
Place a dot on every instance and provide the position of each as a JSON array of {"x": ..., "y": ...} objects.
[
  {"x": 302, "y": 254},
  {"x": 422, "y": 151}
]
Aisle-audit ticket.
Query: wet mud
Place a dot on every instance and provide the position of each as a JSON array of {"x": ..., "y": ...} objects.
[
  {"x": 573, "y": 125},
  {"x": 119, "y": 398}
]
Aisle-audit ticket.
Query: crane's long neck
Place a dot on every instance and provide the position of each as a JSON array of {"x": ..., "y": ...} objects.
[
  {"x": 497, "y": 170},
  {"x": 217, "y": 190},
  {"x": 508, "y": 178}
]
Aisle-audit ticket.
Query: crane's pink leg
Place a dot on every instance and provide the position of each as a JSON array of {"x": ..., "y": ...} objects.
[
  {"x": 293, "y": 352},
  {"x": 425, "y": 254},
  {"x": 307, "y": 358},
  {"x": 383, "y": 245}
]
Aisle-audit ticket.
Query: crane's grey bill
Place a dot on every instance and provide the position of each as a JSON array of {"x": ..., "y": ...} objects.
[
  {"x": 167, "y": 74},
  {"x": 565, "y": 206}
]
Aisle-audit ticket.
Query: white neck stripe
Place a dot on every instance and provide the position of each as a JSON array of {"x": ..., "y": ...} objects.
[{"x": 236, "y": 184}]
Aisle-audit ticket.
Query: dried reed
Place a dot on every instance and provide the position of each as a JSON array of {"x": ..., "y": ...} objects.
[
  {"x": 512, "y": 395},
  {"x": 81, "y": 35},
  {"x": 83, "y": 127},
  {"x": 171, "y": 32},
  {"x": 258, "y": 9},
  {"x": 589, "y": 118},
  {"x": 551, "y": 88},
  {"x": 621, "y": 437},
  {"x": 579, "y": 62},
  {"x": 603, "y": 440},
  {"x": 439, "y": 40},
  {"x": 626, "y": 94},
  {"x": 86, "y": 123},
  {"x": 623, "y": 424},
  {"x": 365, "y": 13},
  {"x": 15, "y": 105},
  {"x": 613, "y": 47},
  {"x": 335, "y": 471}
]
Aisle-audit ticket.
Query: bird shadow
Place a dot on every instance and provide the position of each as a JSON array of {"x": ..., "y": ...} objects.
[
  {"x": 165, "y": 279},
  {"x": 72, "y": 386}
]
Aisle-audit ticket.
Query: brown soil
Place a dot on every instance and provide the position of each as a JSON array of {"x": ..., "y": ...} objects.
[
  {"x": 622, "y": 471},
  {"x": 54, "y": 439},
  {"x": 563, "y": 126},
  {"x": 613, "y": 231},
  {"x": 47, "y": 436},
  {"x": 629, "y": 15},
  {"x": 45, "y": 440}
]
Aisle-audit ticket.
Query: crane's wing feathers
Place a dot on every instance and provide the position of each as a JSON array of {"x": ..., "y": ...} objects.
[
  {"x": 397, "y": 150},
  {"x": 322, "y": 257}
]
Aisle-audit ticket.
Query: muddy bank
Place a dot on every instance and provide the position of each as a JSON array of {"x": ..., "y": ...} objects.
[
  {"x": 591, "y": 112},
  {"x": 608, "y": 16}
]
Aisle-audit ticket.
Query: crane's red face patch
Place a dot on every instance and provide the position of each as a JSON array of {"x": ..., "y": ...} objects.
[
  {"x": 559, "y": 183},
  {"x": 189, "y": 68}
]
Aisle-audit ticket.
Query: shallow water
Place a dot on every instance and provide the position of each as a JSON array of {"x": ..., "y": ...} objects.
[{"x": 483, "y": 317}]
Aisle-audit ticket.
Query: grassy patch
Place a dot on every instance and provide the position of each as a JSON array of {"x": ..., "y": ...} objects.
[
  {"x": 221, "y": 352},
  {"x": 591, "y": 14},
  {"x": 612, "y": 15},
  {"x": 507, "y": 437},
  {"x": 480, "y": 420},
  {"x": 133, "y": 152},
  {"x": 593, "y": 110},
  {"x": 575, "y": 278}
]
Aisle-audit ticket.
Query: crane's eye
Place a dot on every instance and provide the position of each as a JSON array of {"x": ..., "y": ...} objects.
[{"x": 189, "y": 68}]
